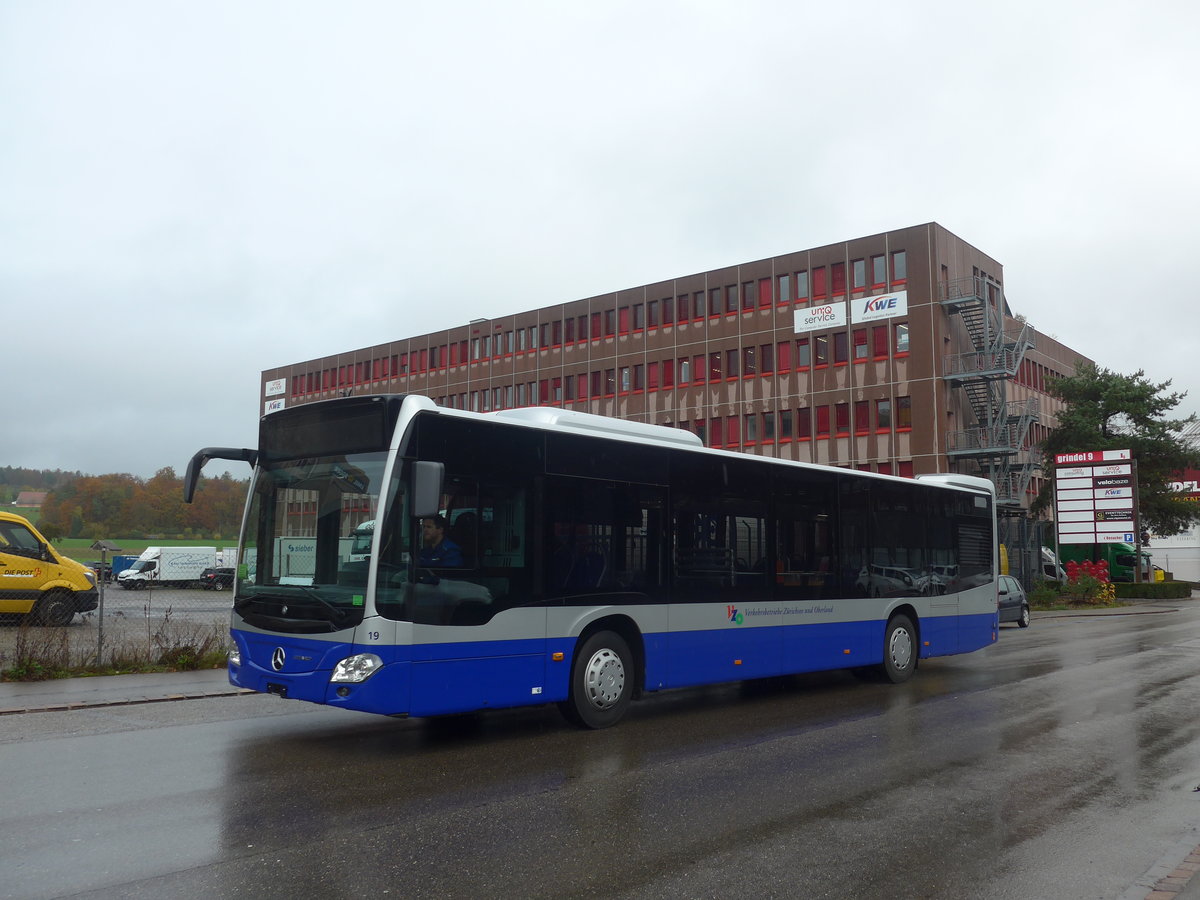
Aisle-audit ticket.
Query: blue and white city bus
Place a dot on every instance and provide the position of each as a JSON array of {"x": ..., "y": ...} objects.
[{"x": 582, "y": 560}]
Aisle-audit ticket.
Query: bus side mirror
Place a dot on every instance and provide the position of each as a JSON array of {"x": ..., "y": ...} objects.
[{"x": 427, "y": 488}]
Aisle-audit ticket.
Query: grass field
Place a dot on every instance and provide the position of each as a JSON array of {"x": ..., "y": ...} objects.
[{"x": 80, "y": 549}]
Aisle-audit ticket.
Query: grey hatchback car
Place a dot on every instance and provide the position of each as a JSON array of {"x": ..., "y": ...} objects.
[{"x": 1014, "y": 605}]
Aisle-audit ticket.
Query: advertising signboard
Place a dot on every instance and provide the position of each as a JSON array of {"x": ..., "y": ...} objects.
[{"x": 1095, "y": 497}]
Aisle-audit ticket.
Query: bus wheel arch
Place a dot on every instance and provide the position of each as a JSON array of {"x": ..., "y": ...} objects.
[
  {"x": 607, "y": 672},
  {"x": 901, "y": 645}
]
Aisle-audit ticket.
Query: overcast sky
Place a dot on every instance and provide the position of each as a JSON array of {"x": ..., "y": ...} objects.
[{"x": 193, "y": 192}]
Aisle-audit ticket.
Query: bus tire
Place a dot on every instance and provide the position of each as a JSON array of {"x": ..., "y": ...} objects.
[
  {"x": 899, "y": 649},
  {"x": 56, "y": 609},
  {"x": 601, "y": 681}
]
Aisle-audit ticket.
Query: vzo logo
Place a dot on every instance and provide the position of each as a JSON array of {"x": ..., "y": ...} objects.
[{"x": 734, "y": 616}]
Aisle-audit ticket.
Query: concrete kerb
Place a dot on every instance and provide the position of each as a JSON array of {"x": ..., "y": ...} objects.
[{"x": 61, "y": 695}]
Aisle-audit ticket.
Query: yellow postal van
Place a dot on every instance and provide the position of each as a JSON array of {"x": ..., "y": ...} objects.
[{"x": 36, "y": 579}]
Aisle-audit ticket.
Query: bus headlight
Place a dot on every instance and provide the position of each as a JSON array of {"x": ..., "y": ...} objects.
[
  {"x": 356, "y": 669},
  {"x": 235, "y": 655}
]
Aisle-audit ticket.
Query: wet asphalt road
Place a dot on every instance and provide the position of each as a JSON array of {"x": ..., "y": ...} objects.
[{"x": 1059, "y": 763}]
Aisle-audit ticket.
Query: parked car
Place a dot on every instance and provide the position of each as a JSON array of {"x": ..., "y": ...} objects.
[
  {"x": 217, "y": 578},
  {"x": 103, "y": 570},
  {"x": 1014, "y": 605}
]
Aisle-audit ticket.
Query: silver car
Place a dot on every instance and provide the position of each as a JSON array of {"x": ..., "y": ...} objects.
[{"x": 1014, "y": 605}]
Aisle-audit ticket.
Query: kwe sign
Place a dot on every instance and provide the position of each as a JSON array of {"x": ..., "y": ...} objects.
[{"x": 1095, "y": 497}]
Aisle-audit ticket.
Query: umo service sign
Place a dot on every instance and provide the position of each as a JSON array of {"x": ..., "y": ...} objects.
[
  {"x": 815, "y": 318},
  {"x": 884, "y": 306},
  {"x": 276, "y": 387}
]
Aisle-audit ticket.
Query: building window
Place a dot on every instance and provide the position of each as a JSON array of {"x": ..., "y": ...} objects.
[
  {"x": 714, "y": 366},
  {"x": 841, "y": 348},
  {"x": 668, "y": 309},
  {"x": 623, "y": 320},
  {"x": 699, "y": 369},
  {"x": 878, "y": 271},
  {"x": 751, "y": 428},
  {"x": 685, "y": 371},
  {"x": 639, "y": 374},
  {"x": 701, "y": 430},
  {"x": 597, "y": 385},
  {"x": 860, "y": 344},
  {"x": 625, "y": 385},
  {"x": 610, "y": 382},
  {"x": 748, "y": 295},
  {"x": 750, "y": 361},
  {"x": 766, "y": 359},
  {"x": 901, "y": 338},
  {"x": 883, "y": 415},
  {"x": 879, "y": 337},
  {"x": 822, "y": 421},
  {"x": 821, "y": 350},
  {"x": 783, "y": 351},
  {"x": 905, "y": 469},
  {"x": 732, "y": 437},
  {"x": 544, "y": 337},
  {"x": 731, "y": 298},
  {"x": 858, "y": 274},
  {"x": 731, "y": 363},
  {"x": 651, "y": 313},
  {"x": 899, "y": 266},
  {"x": 768, "y": 428},
  {"x": 556, "y": 333},
  {"x": 802, "y": 285},
  {"x": 818, "y": 283},
  {"x": 785, "y": 424},
  {"x": 714, "y": 302},
  {"x": 842, "y": 419},
  {"x": 764, "y": 292},
  {"x": 652, "y": 376},
  {"x": 610, "y": 322},
  {"x": 804, "y": 424},
  {"x": 904, "y": 413},
  {"x": 639, "y": 317},
  {"x": 885, "y": 468},
  {"x": 595, "y": 331},
  {"x": 862, "y": 416},
  {"x": 837, "y": 275},
  {"x": 668, "y": 373},
  {"x": 803, "y": 354},
  {"x": 785, "y": 288}
]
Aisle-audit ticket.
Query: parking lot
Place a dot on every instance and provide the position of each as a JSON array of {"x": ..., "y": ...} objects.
[{"x": 136, "y": 623}]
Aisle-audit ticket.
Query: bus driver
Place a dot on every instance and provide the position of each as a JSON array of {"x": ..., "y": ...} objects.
[{"x": 438, "y": 550}]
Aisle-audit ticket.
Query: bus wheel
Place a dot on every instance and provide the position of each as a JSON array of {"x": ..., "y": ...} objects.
[
  {"x": 56, "y": 608},
  {"x": 601, "y": 681},
  {"x": 899, "y": 649}
]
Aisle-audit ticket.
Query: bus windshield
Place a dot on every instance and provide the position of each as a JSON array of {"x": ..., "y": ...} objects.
[{"x": 301, "y": 574}]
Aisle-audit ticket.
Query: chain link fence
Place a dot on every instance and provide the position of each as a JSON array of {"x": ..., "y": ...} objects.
[{"x": 167, "y": 626}]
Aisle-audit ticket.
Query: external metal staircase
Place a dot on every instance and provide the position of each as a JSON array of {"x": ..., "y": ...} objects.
[{"x": 998, "y": 440}]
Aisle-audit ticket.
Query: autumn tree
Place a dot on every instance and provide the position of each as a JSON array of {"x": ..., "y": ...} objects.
[{"x": 1108, "y": 411}]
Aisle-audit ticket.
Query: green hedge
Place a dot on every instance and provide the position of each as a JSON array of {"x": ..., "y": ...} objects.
[{"x": 1159, "y": 590}]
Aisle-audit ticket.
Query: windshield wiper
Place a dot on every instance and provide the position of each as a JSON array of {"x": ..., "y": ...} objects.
[{"x": 337, "y": 615}]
